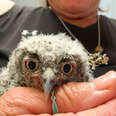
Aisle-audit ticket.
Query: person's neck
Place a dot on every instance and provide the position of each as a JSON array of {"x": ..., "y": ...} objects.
[
  {"x": 5, "y": 6},
  {"x": 82, "y": 22}
]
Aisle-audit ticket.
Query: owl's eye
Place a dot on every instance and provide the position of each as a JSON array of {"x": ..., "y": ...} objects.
[
  {"x": 31, "y": 64},
  {"x": 67, "y": 68}
]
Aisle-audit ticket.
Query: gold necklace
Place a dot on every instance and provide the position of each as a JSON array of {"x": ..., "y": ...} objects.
[{"x": 98, "y": 57}]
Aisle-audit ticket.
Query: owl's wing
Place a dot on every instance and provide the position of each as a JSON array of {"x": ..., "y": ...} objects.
[{"x": 5, "y": 81}]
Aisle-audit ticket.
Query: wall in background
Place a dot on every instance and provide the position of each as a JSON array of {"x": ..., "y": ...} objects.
[
  {"x": 34, "y": 3},
  {"x": 113, "y": 11},
  {"x": 109, "y": 5}
]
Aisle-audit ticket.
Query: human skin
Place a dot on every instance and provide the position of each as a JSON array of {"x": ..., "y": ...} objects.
[
  {"x": 78, "y": 12},
  {"x": 5, "y": 6},
  {"x": 73, "y": 99}
]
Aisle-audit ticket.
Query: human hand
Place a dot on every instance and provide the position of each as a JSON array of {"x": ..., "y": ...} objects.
[{"x": 82, "y": 99}]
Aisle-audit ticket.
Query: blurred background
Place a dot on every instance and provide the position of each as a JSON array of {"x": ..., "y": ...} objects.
[
  {"x": 34, "y": 3},
  {"x": 109, "y": 6}
]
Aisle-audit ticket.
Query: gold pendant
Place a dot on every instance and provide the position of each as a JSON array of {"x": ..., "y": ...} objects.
[
  {"x": 99, "y": 49},
  {"x": 97, "y": 59}
]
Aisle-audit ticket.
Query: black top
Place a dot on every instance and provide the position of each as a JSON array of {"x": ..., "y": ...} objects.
[{"x": 44, "y": 20}]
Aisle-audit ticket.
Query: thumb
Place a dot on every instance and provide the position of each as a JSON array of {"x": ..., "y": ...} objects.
[{"x": 75, "y": 97}]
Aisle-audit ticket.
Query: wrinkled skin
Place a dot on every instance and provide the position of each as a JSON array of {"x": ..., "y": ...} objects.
[{"x": 80, "y": 99}]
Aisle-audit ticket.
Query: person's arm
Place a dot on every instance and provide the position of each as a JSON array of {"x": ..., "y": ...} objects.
[{"x": 5, "y": 6}]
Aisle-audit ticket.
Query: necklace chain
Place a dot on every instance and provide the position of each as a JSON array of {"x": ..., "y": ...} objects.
[{"x": 95, "y": 59}]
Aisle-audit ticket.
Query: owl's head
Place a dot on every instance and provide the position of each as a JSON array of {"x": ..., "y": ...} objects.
[{"x": 46, "y": 61}]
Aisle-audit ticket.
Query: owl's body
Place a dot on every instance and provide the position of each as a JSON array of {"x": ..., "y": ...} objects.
[{"x": 45, "y": 61}]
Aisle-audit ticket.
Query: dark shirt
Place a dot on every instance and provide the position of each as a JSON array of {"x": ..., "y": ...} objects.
[{"x": 44, "y": 20}]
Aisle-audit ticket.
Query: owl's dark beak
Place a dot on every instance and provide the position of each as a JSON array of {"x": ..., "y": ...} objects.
[{"x": 48, "y": 75}]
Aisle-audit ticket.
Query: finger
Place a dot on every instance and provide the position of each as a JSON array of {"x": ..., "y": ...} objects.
[
  {"x": 108, "y": 109},
  {"x": 23, "y": 101},
  {"x": 59, "y": 114},
  {"x": 106, "y": 81},
  {"x": 36, "y": 115},
  {"x": 75, "y": 97}
]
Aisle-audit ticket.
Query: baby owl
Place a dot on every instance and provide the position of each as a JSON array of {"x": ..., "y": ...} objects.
[{"x": 44, "y": 62}]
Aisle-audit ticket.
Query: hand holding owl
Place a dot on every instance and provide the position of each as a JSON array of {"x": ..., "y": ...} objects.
[{"x": 88, "y": 99}]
